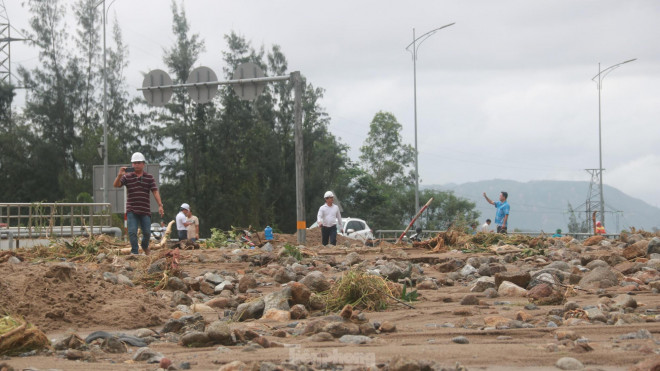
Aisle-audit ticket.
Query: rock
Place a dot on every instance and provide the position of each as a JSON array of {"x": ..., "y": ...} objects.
[
  {"x": 523, "y": 316},
  {"x": 278, "y": 300},
  {"x": 235, "y": 366},
  {"x": 158, "y": 266},
  {"x": 355, "y": 339},
  {"x": 470, "y": 300},
  {"x": 560, "y": 265},
  {"x": 298, "y": 311},
  {"x": 165, "y": 363},
  {"x": 353, "y": 258},
  {"x": 636, "y": 250},
  {"x": 322, "y": 336},
  {"x": 180, "y": 298},
  {"x": 176, "y": 284},
  {"x": 495, "y": 321},
  {"x": 450, "y": 266},
  {"x": 148, "y": 355},
  {"x": 277, "y": 315},
  {"x": 201, "y": 308},
  {"x": 195, "y": 339},
  {"x": 482, "y": 284},
  {"x": 653, "y": 246},
  {"x": 592, "y": 241},
  {"x": 624, "y": 301},
  {"x": 595, "y": 314},
  {"x": 346, "y": 312},
  {"x": 284, "y": 275},
  {"x": 247, "y": 282},
  {"x": 387, "y": 326},
  {"x": 597, "y": 263},
  {"x": 219, "y": 333},
  {"x": 252, "y": 309},
  {"x": 403, "y": 364},
  {"x": 510, "y": 289},
  {"x": 460, "y": 340},
  {"x": 113, "y": 345},
  {"x": 316, "y": 281},
  {"x": 300, "y": 293},
  {"x": 569, "y": 363},
  {"x": 207, "y": 288},
  {"x": 522, "y": 279},
  {"x": 491, "y": 293},
  {"x": 219, "y": 303},
  {"x": 393, "y": 271},
  {"x": 468, "y": 270},
  {"x": 427, "y": 285},
  {"x": 564, "y": 334},
  {"x": 110, "y": 277},
  {"x": 600, "y": 277},
  {"x": 314, "y": 326},
  {"x": 123, "y": 280},
  {"x": 367, "y": 328},
  {"x": 70, "y": 354},
  {"x": 339, "y": 329},
  {"x": 542, "y": 290},
  {"x": 651, "y": 364},
  {"x": 184, "y": 324}
]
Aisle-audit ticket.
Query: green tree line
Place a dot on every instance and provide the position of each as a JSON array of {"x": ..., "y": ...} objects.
[{"x": 233, "y": 161}]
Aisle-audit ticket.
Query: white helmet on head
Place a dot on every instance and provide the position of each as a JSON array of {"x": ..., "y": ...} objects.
[
  {"x": 328, "y": 194},
  {"x": 185, "y": 206},
  {"x": 138, "y": 157}
]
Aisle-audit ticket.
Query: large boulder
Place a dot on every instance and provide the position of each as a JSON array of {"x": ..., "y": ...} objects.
[
  {"x": 300, "y": 293},
  {"x": 252, "y": 309},
  {"x": 653, "y": 246},
  {"x": 511, "y": 289},
  {"x": 278, "y": 300},
  {"x": 636, "y": 250},
  {"x": 600, "y": 278},
  {"x": 316, "y": 281},
  {"x": 219, "y": 332},
  {"x": 246, "y": 282},
  {"x": 521, "y": 279}
]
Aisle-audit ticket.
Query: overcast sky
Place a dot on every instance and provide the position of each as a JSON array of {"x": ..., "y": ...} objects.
[{"x": 504, "y": 93}]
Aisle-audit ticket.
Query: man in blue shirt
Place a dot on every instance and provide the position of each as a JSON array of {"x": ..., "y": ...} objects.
[{"x": 502, "y": 213}]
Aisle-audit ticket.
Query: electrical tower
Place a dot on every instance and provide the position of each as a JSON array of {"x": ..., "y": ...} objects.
[
  {"x": 594, "y": 198},
  {"x": 5, "y": 45}
]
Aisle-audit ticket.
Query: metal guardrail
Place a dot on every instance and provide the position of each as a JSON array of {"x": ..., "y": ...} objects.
[
  {"x": 45, "y": 220},
  {"x": 393, "y": 234}
]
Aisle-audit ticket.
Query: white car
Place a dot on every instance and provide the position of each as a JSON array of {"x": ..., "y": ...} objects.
[{"x": 353, "y": 228}]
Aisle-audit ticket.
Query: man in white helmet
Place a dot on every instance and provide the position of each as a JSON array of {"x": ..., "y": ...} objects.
[
  {"x": 182, "y": 221},
  {"x": 138, "y": 183},
  {"x": 328, "y": 219}
]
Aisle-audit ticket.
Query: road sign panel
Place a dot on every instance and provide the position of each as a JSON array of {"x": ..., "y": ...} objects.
[
  {"x": 160, "y": 96},
  {"x": 248, "y": 91},
  {"x": 202, "y": 93}
]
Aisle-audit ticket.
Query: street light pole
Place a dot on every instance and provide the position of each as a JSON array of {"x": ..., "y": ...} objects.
[
  {"x": 599, "y": 85},
  {"x": 105, "y": 117},
  {"x": 417, "y": 41}
]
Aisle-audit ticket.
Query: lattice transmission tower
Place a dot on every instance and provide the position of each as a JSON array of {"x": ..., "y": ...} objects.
[
  {"x": 5, "y": 45},
  {"x": 594, "y": 198}
]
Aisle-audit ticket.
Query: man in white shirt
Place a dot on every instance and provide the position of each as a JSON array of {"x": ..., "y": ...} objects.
[
  {"x": 328, "y": 219},
  {"x": 182, "y": 222},
  {"x": 485, "y": 228}
]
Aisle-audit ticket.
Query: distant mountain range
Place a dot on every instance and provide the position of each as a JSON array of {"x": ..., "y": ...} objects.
[{"x": 543, "y": 204}]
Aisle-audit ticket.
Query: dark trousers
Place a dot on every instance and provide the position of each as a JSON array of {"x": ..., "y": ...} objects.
[
  {"x": 501, "y": 229},
  {"x": 183, "y": 235},
  {"x": 329, "y": 233}
]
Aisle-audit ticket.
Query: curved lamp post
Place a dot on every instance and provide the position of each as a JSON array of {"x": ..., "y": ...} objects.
[
  {"x": 417, "y": 41},
  {"x": 598, "y": 79}
]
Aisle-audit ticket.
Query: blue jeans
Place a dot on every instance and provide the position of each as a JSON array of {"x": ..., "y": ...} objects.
[{"x": 135, "y": 220}]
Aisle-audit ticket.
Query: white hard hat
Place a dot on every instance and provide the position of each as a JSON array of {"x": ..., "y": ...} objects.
[
  {"x": 185, "y": 206},
  {"x": 328, "y": 194},
  {"x": 138, "y": 157}
]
